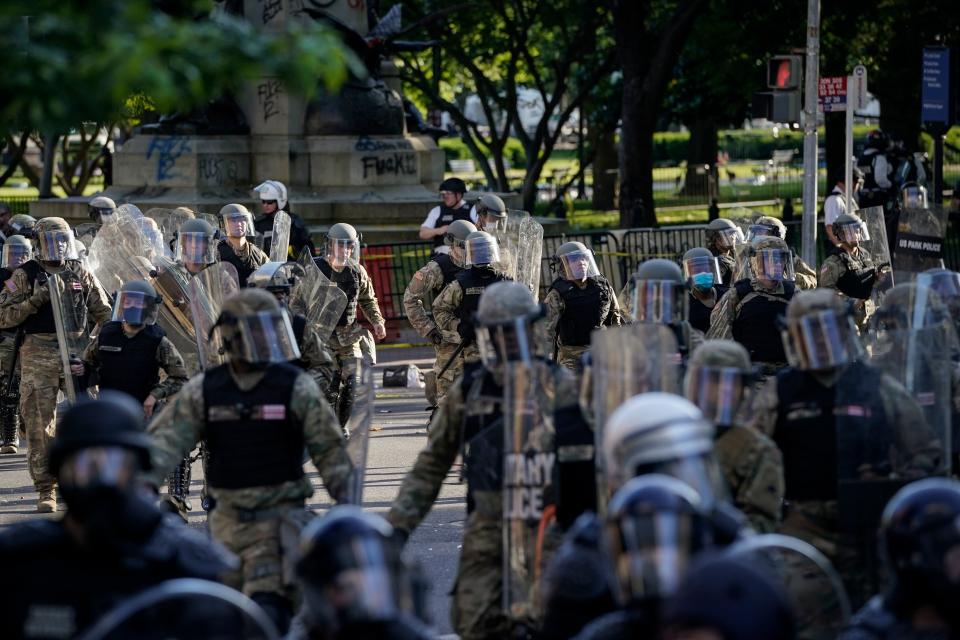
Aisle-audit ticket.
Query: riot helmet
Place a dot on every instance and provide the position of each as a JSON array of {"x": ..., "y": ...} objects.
[
  {"x": 55, "y": 241},
  {"x": 276, "y": 277},
  {"x": 196, "y": 242},
  {"x": 718, "y": 375},
  {"x": 770, "y": 260},
  {"x": 152, "y": 237},
  {"x": 655, "y": 525},
  {"x": 351, "y": 571},
  {"x": 766, "y": 226},
  {"x": 16, "y": 251},
  {"x": 575, "y": 262},
  {"x": 819, "y": 332},
  {"x": 137, "y": 304},
  {"x": 343, "y": 245},
  {"x": 850, "y": 230},
  {"x": 255, "y": 329},
  {"x": 658, "y": 293},
  {"x": 701, "y": 269},
  {"x": 481, "y": 250},
  {"x": 909, "y": 306},
  {"x": 661, "y": 432},
  {"x": 453, "y": 185},
  {"x": 272, "y": 194},
  {"x": 23, "y": 224},
  {"x": 505, "y": 316},
  {"x": 947, "y": 285},
  {"x": 101, "y": 206},
  {"x": 491, "y": 212},
  {"x": 456, "y": 237},
  {"x": 913, "y": 196},
  {"x": 723, "y": 234},
  {"x": 237, "y": 221}
]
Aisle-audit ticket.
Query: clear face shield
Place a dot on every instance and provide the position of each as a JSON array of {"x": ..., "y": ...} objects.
[
  {"x": 265, "y": 337},
  {"x": 344, "y": 251},
  {"x": 821, "y": 341},
  {"x": 238, "y": 224},
  {"x": 508, "y": 342},
  {"x": 579, "y": 265},
  {"x": 659, "y": 301},
  {"x": 757, "y": 230},
  {"x": 699, "y": 471},
  {"x": 481, "y": 252},
  {"x": 195, "y": 248},
  {"x": 717, "y": 391},
  {"x": 853, "y": 233},
  {"x": 56, "y": 246},
  {"x": 726, "y": 239},
  {"x": 914, "y": 197},
  {"x": 105, "y": 466},
  {"x": 492, "y": 223},
  {"x": 702, "y": 272},
  {"x": 135, "y": 308},
  {"x": 14, "y": 255},
  {"x": 772, "y": 265}
]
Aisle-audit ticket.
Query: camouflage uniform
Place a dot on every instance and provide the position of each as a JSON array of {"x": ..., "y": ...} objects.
[
  {"x": 445, "y": 314},
  {"x": 168, "y": 359},
  {"x": 40, "y": 381},
  {"x": 834, "y": 268},
  {"x": 317, "y": 358},
  {"x": 477, "y": 596},
  {"x": 250, "y": 521},
  {"x": 246, "y": 259},
  {"x": 345, "y": 341},
  {"x": 727, "y": 310},
  {"x": 569, "y": 355},
  {"x": 429, "y": 279},
  {"x": 806, "y": 277},
  {"x": 753, "y": 468}
]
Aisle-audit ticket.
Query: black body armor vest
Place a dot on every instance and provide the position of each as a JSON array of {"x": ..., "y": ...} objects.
[
  {"x": 41, "y": 321},
  {"x": 129, "y": 364},
  {"x": 348, "y": 280},
  {"x": 584, "y": 309},
  {"x": 473, "y": 281},
  {"x": 448, "y": 267},
  {"x": 699, "y": 313},
  {"x": 227, "y": 254},
  {"x": 447, "y": 216},
  {"x": 755, "y": 326},
  {"x": 858, "y": 277}
]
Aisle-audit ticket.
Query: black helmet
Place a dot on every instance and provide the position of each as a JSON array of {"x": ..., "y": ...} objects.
[
  {"x": 877, "y": 139},
  {"x": 137, "y": 303},
  {"x": 454, "y": 184},
  {"x": 114, "y": 419}
]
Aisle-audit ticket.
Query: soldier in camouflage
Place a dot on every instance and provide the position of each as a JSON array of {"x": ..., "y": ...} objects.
[
  {"x": 826, "y": 390},
  {"x": 849, "y": 268},
  {"x": 806, "y": 277},
  {"x": 25, "y": 302},
  {"x": 16, "y": 251},
  {"x": 579, "y": 301},
  {"x": 722, "y": 238},
  {"x": 440, "y": 271},
  {"x": 657, "y": 294},
  {"x": 234, "y": 248},
  {"x": 473, "y": 408},
  {"x": 718, "y": 376},
  {"x": 490, "y": 212},
  {"x": 257, "y": 414}
]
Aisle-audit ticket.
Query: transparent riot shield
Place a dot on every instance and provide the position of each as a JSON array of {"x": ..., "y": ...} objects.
[
  {"x": 358, "y": 428},
  {"x": 521, "y": 246},
  {"x": 317, "y": 298},
  {"x": 280, "y": 242},
  {"x": 172, "y": 282},
  {"x": 122, "y": 251},
  {"x": 207, "y": 291},
  {"x": 918, "y": 245},
  {"x": 627, "y": 361},
  {"x": 814, "y": 587},
  {"x": 68, "y": 301},
  {"x": 875, "y": 244},
  {"x": 185, "y": 609},
  {"x": 528, "y": 489},
  {"x": 169, "y": 221}
]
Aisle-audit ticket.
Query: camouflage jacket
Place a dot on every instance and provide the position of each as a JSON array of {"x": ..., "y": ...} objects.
[
  {"x": 367, "y": 301},
  {"x": 555, "y": 308},
  {"x": 169, "y": 361},
  {"x": 428, "y": 279},
  {"x": 806, "y": 277},
  {"x": 16, "y": 306},
  {"x": 317, "y": 358},
  {"x": 753, "y": 468},
  {"x": 727, "y": 309}
]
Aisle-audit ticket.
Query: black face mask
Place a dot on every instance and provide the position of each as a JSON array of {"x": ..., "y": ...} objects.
[{"x": 110, "y": 516}]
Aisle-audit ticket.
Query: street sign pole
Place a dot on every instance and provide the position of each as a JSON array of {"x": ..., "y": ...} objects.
[
  {"x": 810, "y": 164},
  {"x": 856, "y": 99}
]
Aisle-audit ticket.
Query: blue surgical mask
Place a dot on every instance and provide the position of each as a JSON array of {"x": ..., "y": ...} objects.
[{"x": 702, "y": 281}]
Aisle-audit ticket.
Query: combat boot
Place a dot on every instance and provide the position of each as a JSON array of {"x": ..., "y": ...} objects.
[
  {"x": 47, "y": 502},
  {"x": 10, "y": 446}
]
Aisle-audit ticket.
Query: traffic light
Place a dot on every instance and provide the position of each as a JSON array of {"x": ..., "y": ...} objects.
[{"x": 784, "y": 73}]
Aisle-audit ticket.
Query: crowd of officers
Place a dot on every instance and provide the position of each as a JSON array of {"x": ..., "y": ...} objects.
[{"x": 705, "y": 504}]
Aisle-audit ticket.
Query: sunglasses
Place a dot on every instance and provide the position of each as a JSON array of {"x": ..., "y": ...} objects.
[{"x": 270, "y": 202}]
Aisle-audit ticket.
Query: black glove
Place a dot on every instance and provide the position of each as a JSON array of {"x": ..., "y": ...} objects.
[
  {"x": 435, "y": 336},
  {"x": 467, "y": 333}
]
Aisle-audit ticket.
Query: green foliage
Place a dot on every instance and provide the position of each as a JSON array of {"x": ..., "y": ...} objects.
[
  {"x": 72, "y": 62},
  {"x": 456, "y": 149}
]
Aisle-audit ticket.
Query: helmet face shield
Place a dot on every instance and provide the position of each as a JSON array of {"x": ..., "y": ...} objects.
[
  {"x": 341, "y": 251},
  {"x": 717, "y": 391},
  {"x": 238, "y": 224},
  {"x": 509, "y": 342},
  {"x": 579, "y": 265},
  {"x": 105, "y": 466},
  {"x": 196, "y": 248},
  {"x": 702, "y": 272},
  {"x": 659, "y": 301},
  {"x": 135, "y": 308},
  {"x": 56, "y": 245},
  {"x": 14, "y": 255},
  {"x": 263, "y": 338},
  {"x": 481, "y": 252},
  {"x": 758, "y": 230},
  {"x": 821, "y": 341},
  {"x": 852, "y": 233},
  {"x": 728, "y": 238},
  {"x": 774, "y": 265}
]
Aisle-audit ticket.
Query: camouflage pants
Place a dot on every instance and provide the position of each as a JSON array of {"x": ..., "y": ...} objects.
[
  {"x": 6, "y": 354},
  {"x": 569, "y": 356},
  {"x": 476, "y": 613},
  {"x": 444, "y": 352},
  {"x": 39, "y": 384}
]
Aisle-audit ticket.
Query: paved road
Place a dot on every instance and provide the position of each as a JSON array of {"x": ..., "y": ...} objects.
[{"x": 398, "y": 434}]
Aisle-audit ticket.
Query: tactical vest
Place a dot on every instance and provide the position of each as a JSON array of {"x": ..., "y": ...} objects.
[
  {"x": 473, "y": 281},
  {"x": 299, "y": 324},
  {"x": 448, "y": 267},
  {"x": 5, "y": 274},
  {"x": 699, "y": 313},
  {"x": 755, "y": 326},
  {"x": 858, "y": 275},
  {"x": 584, "y": 309},
  {"x": 348, "y": 280},
  {"x": 41, "y": 321},
  {"x": 447, "y": 216},
  {"x": 806, "y": 430},
  {"x": 129, "y": 364},
  {"x": 252, "y": 438},
  {"x": 576, "y": 461},
  {"x": 482, "y": 431},
  {"x": 227, "y": 254}
]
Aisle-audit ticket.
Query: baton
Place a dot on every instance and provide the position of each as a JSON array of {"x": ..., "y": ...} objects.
[{"x": 456, "y": 353}]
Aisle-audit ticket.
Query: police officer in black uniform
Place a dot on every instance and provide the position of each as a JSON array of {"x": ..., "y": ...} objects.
[
  {"x": 453, "y": 207},
  {"x": 702, "y": 271},
  {"x": 61, "y": 575},
  {"x": 273, "y": 198}
]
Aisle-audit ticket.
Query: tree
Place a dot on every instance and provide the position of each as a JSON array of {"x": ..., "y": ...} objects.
[
  {"x": 495, "y": 48},
  {"x": 74, "y": 63}
]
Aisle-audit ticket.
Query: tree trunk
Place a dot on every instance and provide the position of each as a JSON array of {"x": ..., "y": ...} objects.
[
  {"x": 636, "y": 156},
  {"x": 604, "y": 168},
  {"x": 701, "y": 174},
  {"x": 49, "y": 159}
]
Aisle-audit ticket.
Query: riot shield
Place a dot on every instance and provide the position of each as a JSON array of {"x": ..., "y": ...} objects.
[
  {"x": 280, "y": 242},
  {"x": 121, "y": 251},
  {"x": 207, "y": 291},
  {"x": 918, "y": 245},
  {"x": 172, "y": 282},
  {"x": 875, "y": 244},
  {"x": 317, "y": 298},
  {"x": 358, "y": 428},
  {"x": 814, "y": 587},
  {"x": 169, "y": 221},
  {"x": 185, "y": 609},
  {"x": 529, "y": 494},
  {"x": 69, "y": 304},
  {"x": 627, "y": 361},
  {"x": 521, "y": 246}
]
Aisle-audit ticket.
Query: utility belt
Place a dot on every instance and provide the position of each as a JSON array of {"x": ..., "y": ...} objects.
[{"x": 258, "y": 515}]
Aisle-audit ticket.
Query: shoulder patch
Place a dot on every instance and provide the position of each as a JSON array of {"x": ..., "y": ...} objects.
[
  {"x": 10, "y": 286},
  {"x": 418, "y": 275}
]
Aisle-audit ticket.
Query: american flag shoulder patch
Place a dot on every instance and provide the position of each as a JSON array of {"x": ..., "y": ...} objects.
[
  {"x": 76, "y": 285},
  {"x": 10, "y": 286},
  {"x": 273, "y": 412}
]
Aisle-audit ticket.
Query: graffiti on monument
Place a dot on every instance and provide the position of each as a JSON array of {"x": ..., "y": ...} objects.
[
  {"x": 271, "y": 9},
  {"x": 168, "y": 150},
  {"x": 217, "y": 171},
  {"x": 396, "y": 164},
  {"x": 268, "y": 95},
  {"x": 366, "y": 143}
]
